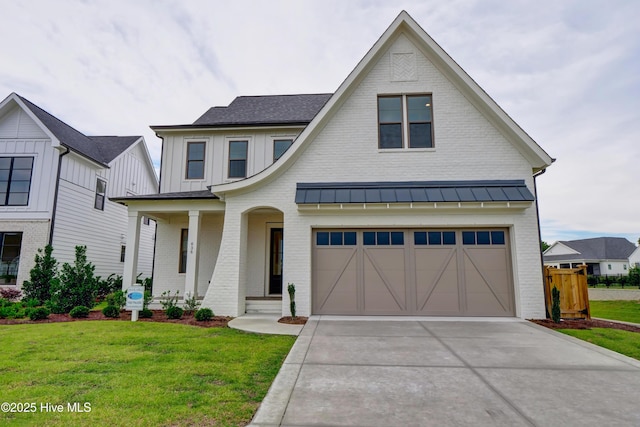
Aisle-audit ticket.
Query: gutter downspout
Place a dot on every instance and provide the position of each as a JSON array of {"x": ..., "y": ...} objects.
[
  {"x": 55, "y": 195},
  {"x": 535, "y": 193}
]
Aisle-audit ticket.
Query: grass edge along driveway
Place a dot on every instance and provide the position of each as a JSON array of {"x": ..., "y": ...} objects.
[
  {"x": 135, "y": 374},
  {"x": 623, "y": 342}
]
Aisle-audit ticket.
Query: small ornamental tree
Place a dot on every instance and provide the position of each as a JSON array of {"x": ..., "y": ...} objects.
[
  {"x": 42, "y": 274},
  {"x": 291, "y": 288},
  {"x": 555, "y": 305},
  {"x": 77, "y": 284}
]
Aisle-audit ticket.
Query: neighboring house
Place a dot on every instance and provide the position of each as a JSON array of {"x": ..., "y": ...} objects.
[
  {"x": 602, "y": 255},
  {"x": 55, "y": 184},
  {"x": 406, "y": 192},
  {"x": 634, "y": 258}
]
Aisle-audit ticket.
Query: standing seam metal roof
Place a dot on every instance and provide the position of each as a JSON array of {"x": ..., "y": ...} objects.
[{"x": 413, "y": 191}]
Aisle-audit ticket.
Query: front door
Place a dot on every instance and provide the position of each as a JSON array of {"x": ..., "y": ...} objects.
[{"x": 275, "y": 262}]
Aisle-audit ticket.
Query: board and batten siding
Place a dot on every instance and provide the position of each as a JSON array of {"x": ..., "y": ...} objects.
[
  {"x": 174, "y": 156},
  {"x": 20, "y": 136},
  {"x": 102, "y": 231}
]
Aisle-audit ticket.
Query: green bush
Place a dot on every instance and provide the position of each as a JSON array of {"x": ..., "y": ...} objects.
[
  {"x": 167, "y": 301},
  {"x": 145, "y": 313},
  {"x": 117, "y": 299},
  {"x": 12, "y": 310},
  {"x": 39, "y": 313},
  {"x": 41, "y": 275},
  {"x": 174, "y": 312},
  {"x": 111, "y": 284},
  {"x": 111, "y": 311},
  {"x": 204, "y": 314},
  {"x": 76, "y": 284},
  {"x": 79, "y": 312},
  {"x": 291, "y": 288},
  {"x": 555, "y": 305}
]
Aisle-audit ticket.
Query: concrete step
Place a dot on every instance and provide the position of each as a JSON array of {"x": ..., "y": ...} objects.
[{"x": 268, "y": 306}]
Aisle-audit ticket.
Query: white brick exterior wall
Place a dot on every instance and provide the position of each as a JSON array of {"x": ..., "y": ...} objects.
[
  {"x": 35, "y": 235},
  {"x": 467, "y": 147}
]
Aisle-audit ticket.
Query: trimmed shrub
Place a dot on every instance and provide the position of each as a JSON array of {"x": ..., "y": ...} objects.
[
  {"x": 555, "y": 305},
  {"x": 117, "y": 299},
  {"x": 291, "y": 288},
  {"x": 111, "y": 311},
  {"x": 174, "y": 312},
  {"x": 76, "y": 284},
  {"x": 145, "y": 313},
  {"x": 191, "y": 304},
  {"x": 204, "y": 314},
  {"x": 111, "y": 284},
  {"x": 167, "y": 301},
  {"x": 41, "y": 275},
  {"x": 79, "y": 312},
  {"x": 39, "y": 313}
]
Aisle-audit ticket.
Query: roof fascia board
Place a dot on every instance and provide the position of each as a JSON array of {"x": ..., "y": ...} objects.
[
  {"x": 197, "y": 128},
  {"x": 86, "y": 158},
  {"x": 15, "y": 98},
  {"x": 450, "y": 68},
  {"x": 173, "y": 206},
  {"x": 478, "y": 97}
]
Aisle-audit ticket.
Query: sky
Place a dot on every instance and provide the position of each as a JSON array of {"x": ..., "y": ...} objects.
[{"x": 567, "y": 71}]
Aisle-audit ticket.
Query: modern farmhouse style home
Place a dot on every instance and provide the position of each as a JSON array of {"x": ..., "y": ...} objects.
[
  {"x": 55, "y": 184},
  {"x": 408, "y": 191}
]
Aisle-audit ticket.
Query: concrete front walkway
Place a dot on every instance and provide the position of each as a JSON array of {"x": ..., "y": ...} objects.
[{"x": 423, "y": 372}]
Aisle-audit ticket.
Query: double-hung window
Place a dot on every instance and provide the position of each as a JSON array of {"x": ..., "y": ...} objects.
[
  {"x": 195, "y": 160},
  {"x": 101, "y": 190},
  {"x": 238, "y": 159},
  {"x": 15, "y": 180},
  {"x": 405, "y": 121}
]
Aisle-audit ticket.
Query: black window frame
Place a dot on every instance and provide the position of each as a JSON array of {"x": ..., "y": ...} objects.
[
  {"x": 98, "y": 202},
  {"x": 184, "y": 243},
  {"x": 406, "y": 122},
  {"x": 4, "y": 261},
  {"x": 12, "y": 181},
  {"x": 195, "y": 161},
  {"x": 238, "y": 161},
  {"x": 123, "y": 252}
]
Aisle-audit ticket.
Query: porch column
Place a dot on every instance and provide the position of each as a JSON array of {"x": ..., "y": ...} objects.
[
  {"x": 131, "y": 251},
  {"x": 193, "y": 255}
]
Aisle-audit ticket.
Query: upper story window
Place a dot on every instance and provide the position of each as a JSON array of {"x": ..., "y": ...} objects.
[
  {"x": 238, "y": 159},
  {"x": 280, "y": 146},
  {"x": 405, "y": 121},
  {"x": 15, "y": 180},
  {"x": 195, "y": 160},
  {"x": 101, "y": 191}
]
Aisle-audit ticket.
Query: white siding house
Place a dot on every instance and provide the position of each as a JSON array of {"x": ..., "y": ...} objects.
[
  {"x": 406, "y": 192},
  {"x": 50, "y": 191},
  {"x": 603, "y": 256}
]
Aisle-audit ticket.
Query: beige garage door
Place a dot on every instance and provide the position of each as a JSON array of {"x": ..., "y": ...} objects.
[{"x": 412, "y": 272}]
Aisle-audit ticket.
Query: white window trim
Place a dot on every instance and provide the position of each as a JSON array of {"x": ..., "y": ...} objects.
[
  {"x": 207, "y": 153},
  {"x": 250, "y": 156},
  {"x": 272, "y": 138}
]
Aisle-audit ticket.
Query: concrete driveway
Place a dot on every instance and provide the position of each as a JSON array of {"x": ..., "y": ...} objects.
[{"x": 449, "y": 373}]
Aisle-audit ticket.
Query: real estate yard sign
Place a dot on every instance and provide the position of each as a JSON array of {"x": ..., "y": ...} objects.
[{"x": 135, "y": 298}]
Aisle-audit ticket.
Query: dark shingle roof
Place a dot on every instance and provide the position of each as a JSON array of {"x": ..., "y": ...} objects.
[
  {"x": 101, "y": 149},
  {"x": 265, "y": 110},
  {"x": 413, "y": 191},
  {"x": 599, "y": 248}
]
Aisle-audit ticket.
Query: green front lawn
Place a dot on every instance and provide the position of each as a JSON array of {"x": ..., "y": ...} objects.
[
  {"x": 136, "y": 374},
  {"x": 627, "y": 311},
  {"x": 624, "y": 342}
]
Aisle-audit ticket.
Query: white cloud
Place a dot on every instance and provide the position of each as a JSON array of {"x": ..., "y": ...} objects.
[{"x": 565, "y": 71}]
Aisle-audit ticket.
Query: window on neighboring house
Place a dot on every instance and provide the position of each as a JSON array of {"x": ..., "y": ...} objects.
[
  {"x": 608, "y": 266},
  {"x": 123, "y": 250},
  {"x": 238, "y": 159},
  {"x": 195, "y": 160},
  {"x": 624, "y": 266},
  {"x": 101, "y": 191},
  {"x": 405, "y": 121},
  {"x": 15, "y": 180},
  {"x": 10, "y": 255},
  {"x": 280, "y": 146},
  {"x": 184, "y": 242}
]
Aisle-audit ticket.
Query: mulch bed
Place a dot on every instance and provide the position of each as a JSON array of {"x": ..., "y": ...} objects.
[
  {"x": 158, "y": 316},
  {"x": 584, "y": 324},
  {"x": 298, "y": 320}
]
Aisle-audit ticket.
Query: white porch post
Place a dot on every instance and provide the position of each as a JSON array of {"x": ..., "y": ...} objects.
[
  {"x": 193, "y": 251},
  {"x": 131, "y": 252}
]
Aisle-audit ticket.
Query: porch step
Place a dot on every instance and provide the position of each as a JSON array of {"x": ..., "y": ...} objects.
[{"x": 263, "y": 306}]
